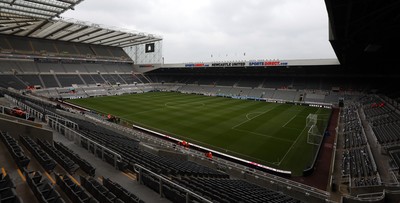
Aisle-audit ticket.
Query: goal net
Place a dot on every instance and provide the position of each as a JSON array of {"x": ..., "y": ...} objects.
[
  {"x": 314, "y": 135},
  {"x": 311, "y": 120}
]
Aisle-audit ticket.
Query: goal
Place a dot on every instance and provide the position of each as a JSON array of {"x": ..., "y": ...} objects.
[
  {"x": 311, "y": 120},
  {"x": 314, "y": 135}
]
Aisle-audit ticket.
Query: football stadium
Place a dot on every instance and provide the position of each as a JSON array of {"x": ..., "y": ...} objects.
[{"x": 91, "y": 113}]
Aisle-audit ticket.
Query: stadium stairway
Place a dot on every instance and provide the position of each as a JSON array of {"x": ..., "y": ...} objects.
[
  {"x": 122, "y": 79},
  {"x": 58, "y": 82},
  {"x": 19, "y": 79},
  {"x": 84, "y": 82},
  {"x": 147, "y": 78},
  {"x": 41, "y": 81},
  {"x": 101, "y": 76}
]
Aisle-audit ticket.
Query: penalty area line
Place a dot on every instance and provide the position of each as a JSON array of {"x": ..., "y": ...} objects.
[
  {"x": 287, "y": 152},
  {"x": 297, "y": 139},
  {"x": 247, "y": 119},
  {"x": 264, "y": 135},
  {"x": 289, "y": 121}
]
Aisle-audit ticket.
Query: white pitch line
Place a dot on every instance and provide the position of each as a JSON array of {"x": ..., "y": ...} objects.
[
  {"x": 289, "y": 121},
  {"x": 264, "y": 135},
  {"x": 140, "y": 112},
  {"x": 168, "y": 104},
  {"x": 297, "y": 139},
  {"x": 248, "y": 115},
  {"x": 287, "y": 152},
  {"x": 261, "y": 113}
]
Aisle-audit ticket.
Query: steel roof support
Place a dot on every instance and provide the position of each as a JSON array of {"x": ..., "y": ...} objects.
[
  {"x": 44, "y": 22},
  {"x": 83, "y": 34},
  {"x": 58, "y": 30}
]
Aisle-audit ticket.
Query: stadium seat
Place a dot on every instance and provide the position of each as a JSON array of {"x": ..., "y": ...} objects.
[
  {"x": 44, "y": 159},
  {"x": 68, "y": 164},
  {"x": 41, "y": 188},
  {"x": 83, "y": 164},
  {"x": 16, "y": 151}
]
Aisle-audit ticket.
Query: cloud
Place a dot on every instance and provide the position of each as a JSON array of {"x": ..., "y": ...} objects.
[{"x": 193, "y": 30}]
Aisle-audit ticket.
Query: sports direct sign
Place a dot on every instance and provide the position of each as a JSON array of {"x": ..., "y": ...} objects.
[
  {"x": 267, "y": 63},
  {"x": 238, "y": 64}
]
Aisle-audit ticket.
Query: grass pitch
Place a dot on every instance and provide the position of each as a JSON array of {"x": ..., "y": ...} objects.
[{"x": 267, "y": 133}]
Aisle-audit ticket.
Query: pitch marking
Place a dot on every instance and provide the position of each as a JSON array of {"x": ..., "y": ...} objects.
[
  {"x": 248, "y": 115},
  {"x": 168, "y": 104},
  {"x": 297, "y": 139},
  {"x": 264, "y": 135},
  {"x": 261, "y": 113},
  {"x": 140, "y": 112},
  {"x": 289, "y": 121}
]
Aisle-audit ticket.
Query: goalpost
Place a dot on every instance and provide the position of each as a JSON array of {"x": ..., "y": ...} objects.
[
  {"x": 314, "y": 136},
  {"x": 311, "y": 120}
]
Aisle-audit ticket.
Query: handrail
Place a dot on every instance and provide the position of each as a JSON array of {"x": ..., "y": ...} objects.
[
  {"x": 161, "y": 178},
  {"x": 50, "y": 119}
]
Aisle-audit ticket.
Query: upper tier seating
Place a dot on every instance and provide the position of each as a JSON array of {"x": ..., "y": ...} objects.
[
  {"x": 314, "y": 97},
  {"x": 52, "y": 48},
  {"x": 250, "y": 81},
  {"x": 94, "y": 68},
  {"x": 88, "y": 79},
  {"x": 49, "y": 81},
  {"x": 11, "y": 81},
  {"x": 48, "y": 67},
  {"x": 30, "y": 79},
  {"x": 68, "y": 80},
  {"x": 18, "y": 44},
  {"x": 72, "y": 68},
  {"x": 97, "y": 78},
  {"x": 85, "y": 50},
  {"x": 276, "y": 82},
  {"x": 288, "y": 95},
  {"x": 43, "y": 46}
]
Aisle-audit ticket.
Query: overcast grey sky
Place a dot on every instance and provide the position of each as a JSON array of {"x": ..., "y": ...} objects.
[{"x": 193, "y": 30}]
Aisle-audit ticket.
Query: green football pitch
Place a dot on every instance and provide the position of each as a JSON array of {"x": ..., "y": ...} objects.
[{"x": 271, "y": 134}]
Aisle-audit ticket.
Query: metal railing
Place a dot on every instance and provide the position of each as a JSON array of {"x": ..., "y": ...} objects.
[
  {"x": 139, "y": 170},
  {"x": 56, "y": 124},
  {"x": 31, "y": 111}
]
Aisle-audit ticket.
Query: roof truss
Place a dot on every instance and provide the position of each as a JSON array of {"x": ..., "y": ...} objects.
[
  {"x": 42, "y": 9},
  {"x": 38, "y": 19}
]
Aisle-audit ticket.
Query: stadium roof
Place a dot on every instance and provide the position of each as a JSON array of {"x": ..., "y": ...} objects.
[
  {"x": 44, "y": 9},
  {"x": 365, "y": 33},
  {"x": 41, "y": 19}
]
